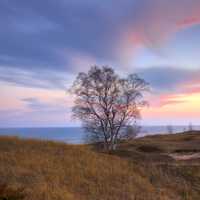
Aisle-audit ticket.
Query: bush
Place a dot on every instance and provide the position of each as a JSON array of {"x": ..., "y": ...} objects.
[{"x": 149, "y": 149}]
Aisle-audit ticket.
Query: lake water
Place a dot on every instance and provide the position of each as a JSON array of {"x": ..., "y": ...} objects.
[{"x": 76, "y": 135}]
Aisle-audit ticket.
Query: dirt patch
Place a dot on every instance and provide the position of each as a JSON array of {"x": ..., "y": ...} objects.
[{"x": 185, "y": 156}]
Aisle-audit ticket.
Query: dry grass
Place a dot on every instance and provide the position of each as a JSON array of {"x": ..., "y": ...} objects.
[{"x": 45, "y": 170}]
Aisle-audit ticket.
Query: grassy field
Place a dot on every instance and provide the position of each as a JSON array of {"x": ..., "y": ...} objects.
[{"x": 143, "y": 169}]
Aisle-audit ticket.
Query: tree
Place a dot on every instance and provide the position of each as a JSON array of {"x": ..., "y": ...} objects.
[
  {"x": 170, "y": 129},
  {"x": 131, "y": 131},
  {"x": 106, "y": 103},
  {"x": 190, "y": 127}
]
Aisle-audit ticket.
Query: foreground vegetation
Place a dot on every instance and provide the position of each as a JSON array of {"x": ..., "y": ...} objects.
[{"x": 143, "y": 169}]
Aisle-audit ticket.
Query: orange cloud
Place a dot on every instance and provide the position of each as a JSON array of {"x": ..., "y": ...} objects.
[{"x": 174, "y": 107}]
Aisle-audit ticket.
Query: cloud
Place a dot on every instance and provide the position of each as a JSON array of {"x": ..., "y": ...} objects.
[
  {"x": 37, "y": 113},
  {"x": 33, "y": 31},
  {"x": 170, "y": 79},
  {"x": 193, "y": 88},
  {"x": 172, "y": 86},
  {"x": 38, "y": 110},
  {"x": 157, "y": 22},
  {"x": 43, "y": 42},
  {"x": 36, "y": 105},
  {"x": 167, "y": 100},
  {"x": 170, "y": 102},
  {"x": 44, "y": 79}
]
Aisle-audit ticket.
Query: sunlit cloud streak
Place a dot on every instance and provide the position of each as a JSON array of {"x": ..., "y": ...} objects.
[{"x": 46, "y": 79}]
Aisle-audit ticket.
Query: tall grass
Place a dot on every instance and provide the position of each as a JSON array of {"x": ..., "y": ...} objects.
[{"x": 45, "y": 170}]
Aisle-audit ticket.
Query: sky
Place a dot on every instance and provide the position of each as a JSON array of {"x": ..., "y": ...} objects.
[{"x": 44, "y": 44}]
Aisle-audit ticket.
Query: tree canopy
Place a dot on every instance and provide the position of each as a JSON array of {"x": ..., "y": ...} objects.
[{"x": 107, "y": 104}]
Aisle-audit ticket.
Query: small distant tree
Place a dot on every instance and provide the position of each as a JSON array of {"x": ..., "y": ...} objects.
[
  {"x": 170, "y": 129},
  {"x": 131, "y": 131},
  {"x": 107, "y": 103},
  {"x": 190, "y": 127}
]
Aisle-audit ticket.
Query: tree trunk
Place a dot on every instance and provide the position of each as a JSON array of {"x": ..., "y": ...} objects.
[{"x": 112, "y": 145}]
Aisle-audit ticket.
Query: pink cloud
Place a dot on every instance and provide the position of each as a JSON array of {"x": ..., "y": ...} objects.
[
  {"x": 194, "y": 89},
  {"x": 170, "y": 102},
  {"x": 158, "y": 22},
  {"x": 159, "y": 101},
  {"x": 189, "y": 22}
]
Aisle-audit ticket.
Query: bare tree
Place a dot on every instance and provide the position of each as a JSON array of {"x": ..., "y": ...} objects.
[
  {"x": 131, "y": 131},
  {"x": 170, "y": 129},
  {"x": 106, "y": 103},
  {"x": 190, "y": 127}
]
